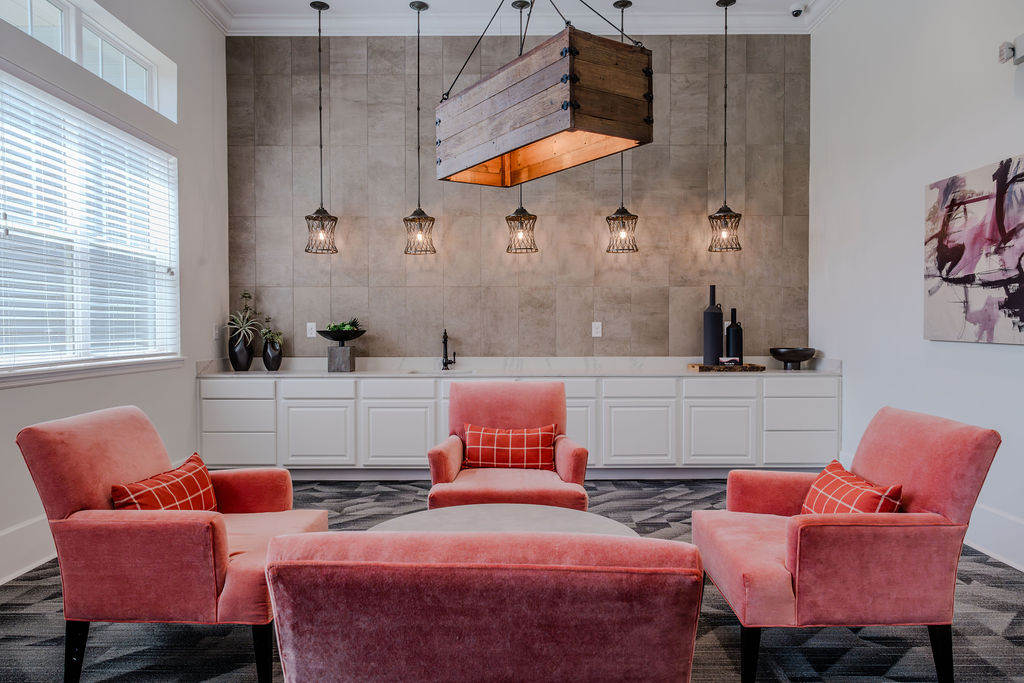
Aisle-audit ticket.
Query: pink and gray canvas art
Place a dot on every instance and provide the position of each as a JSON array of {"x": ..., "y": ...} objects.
[{"x": 974, "y": 242}]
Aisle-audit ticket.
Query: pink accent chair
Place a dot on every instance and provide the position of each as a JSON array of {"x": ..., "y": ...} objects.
[
  {"x": 777, "y": 567},
  {"x": 463, "y": 607},
  {"x": 155, "y": 566},
  {"x": 507, "y": 405}
]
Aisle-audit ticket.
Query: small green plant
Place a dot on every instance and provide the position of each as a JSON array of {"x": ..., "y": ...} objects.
[
  {"x": 245, "y": 322},
  {"x": 346, "y": 326},
  {"x": 272, "y": 336}
]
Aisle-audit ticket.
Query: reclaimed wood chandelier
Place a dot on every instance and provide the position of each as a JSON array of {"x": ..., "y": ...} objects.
[{"x": 574, "y": 98}]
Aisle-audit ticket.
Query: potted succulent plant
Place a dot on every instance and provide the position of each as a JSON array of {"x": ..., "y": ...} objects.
[
  {"x": 243, "y": 326},
  {"x": 271, "y": 345}
]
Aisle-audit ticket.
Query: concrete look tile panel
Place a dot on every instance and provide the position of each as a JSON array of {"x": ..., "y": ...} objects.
[
  {"x": 272, "y": 186},
  {"x": 574, "y": 312},
  {"x": 537, "y": 322},
  {"x": 765, "y": 109},
  {"x": 272, "y": 56},
  {"x": 239, "y": 55},
  {"x": 766, "y": 54}
]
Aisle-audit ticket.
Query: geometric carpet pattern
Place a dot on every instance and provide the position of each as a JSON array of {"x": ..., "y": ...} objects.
[{"x": 988, "y": 629}]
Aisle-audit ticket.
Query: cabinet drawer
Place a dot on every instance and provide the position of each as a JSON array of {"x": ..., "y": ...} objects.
[
  {"x": 574, "y": 388},
  {"x": 236, "y": 388},
  {"x": 318, "y": 388},
  {"x": 827, "y": 387},
  {"x": 720, "y": 387},
  {"x": 640, "y": 387},
  {"x": 810, "y": 414},
  {"x": 219, "y": 448},
  {"x": 397, "y": 388},
  {"x": 231, "y": 415},
  {"x": 800, "y": 448}
]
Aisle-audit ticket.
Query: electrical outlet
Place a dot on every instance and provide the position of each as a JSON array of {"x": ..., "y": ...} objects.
[
  {"x": 595, "y": 329},
  {"x": 310, "y": 329}
]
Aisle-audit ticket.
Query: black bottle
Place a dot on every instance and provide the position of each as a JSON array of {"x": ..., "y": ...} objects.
[
  {"x": 734, "y": 339},
  {"x": 712, "y": 331}
]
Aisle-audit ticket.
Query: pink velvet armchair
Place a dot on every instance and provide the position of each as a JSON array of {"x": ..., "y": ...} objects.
[
  {"x": 507, "y": 405},
  {"x": 464, "y": 607},
  {"x": 777, "y": 567},
  {"x": 154, "y": 566}
]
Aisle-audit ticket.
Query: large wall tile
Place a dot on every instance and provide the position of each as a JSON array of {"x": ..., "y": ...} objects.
[
  {"x": 766, "y": 54},
  {"x": 764, "y": 167},
  {"x": 537, "y": 322},
  {"x": 272, "y": 56},
  {"x": 241, "y": 124},
  {"x": 462, "y": 320},
  {"x": 689, "y": 54},
  {"x": 765, "y": 109},
  {"x": 499, "y": 321},
  {"x": 273, "y": 187},
  {"x": 574, "y": 312},
  {"x": 689, "y": 118},
  {"x": 649, "y": 321}
]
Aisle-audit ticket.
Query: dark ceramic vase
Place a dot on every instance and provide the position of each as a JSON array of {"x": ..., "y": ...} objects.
[
  {"x": 239, "y": 353},
  {"x": 271, "y": 356}
]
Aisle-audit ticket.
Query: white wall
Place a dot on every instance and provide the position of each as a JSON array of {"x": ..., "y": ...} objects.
[
  {"x": 903, "y": 94},
  {"x": 183, "y": 33}
]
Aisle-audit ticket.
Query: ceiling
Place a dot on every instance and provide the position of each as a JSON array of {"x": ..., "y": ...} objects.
[{"x": 468, "y": 17}]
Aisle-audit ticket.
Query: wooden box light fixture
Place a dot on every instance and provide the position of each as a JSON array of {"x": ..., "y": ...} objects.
[{"x": 574, "y": 98}]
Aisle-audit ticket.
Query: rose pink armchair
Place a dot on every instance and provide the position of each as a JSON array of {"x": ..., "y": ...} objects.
[
  {"x": 777, "y": 567},
  {"x": 154, "y": 566},
  {"x": 507, "y": 405},
  {"x": 464, "y": 607}
]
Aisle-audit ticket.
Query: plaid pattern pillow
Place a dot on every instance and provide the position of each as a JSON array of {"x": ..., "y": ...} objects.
[
  {"x": 519, "y": 448},
  {"x": 836, "y": 490},
  {"x": 186, "y": 488}
]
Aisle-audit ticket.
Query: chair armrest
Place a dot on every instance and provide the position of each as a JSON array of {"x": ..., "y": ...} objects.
[
  {"x": 767, "y": 492},
  {"x": 445, "y": 460},
  {"x": 256, "y": 489},
  {"x": 141, "y": 565},
  {"x": 873, "y": 568},
  {"x": 570, "y": 460}
]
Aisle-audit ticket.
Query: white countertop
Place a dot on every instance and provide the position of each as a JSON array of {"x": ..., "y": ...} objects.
[{"x": 550, "y": 366}]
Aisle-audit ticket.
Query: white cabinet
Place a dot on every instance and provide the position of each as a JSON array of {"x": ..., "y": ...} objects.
[
  {"x": 639, "y": 432},
  {"x": 316, "y": 433},
  {"x": 238, "y": 421},
  {"x": 581, "y": 423},
  {"x": 801, "y": 421},
  {"x": 720, "y": 432},
  {"x": 396, "y": 433}
]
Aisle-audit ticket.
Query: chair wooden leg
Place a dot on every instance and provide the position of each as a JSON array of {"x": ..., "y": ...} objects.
[
  {"x": 750, "y": 644},
  {"x": 942, "y": 651},
  {"x": 76, "y": 633},
  {"x": 263, "y": 644}
]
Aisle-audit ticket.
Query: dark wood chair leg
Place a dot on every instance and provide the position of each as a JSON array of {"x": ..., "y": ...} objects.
[
  {"x": 750, "y": 644},
  {"x": 76, "y": 633},
  {"x": 263, "y": 644},
  {"x": 942, "y": 651}
]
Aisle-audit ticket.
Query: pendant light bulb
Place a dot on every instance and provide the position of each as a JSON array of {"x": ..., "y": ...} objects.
[
  {"x": 725, "y": 223},
  {"x": 419, "y": 227},
  {"x": 622, "y": 223},
  {"x": 320, "y": 224}
]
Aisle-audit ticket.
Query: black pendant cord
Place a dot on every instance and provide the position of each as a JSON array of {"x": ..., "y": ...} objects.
[
  {"x": 471, "y": 52},
  {"x": 320, "y": 95},
  {"x": 637, "y": 43},
  {"x": 522, "y": 31},
  {"x": 567, "y": 22},
  {"x": 418, "y": 116},
  {"x": 622, "y": 163},
  {"x": 725, "y": 114}
]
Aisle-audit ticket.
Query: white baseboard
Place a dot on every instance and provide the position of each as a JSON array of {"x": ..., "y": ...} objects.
[
  {"x": 26, "y": 545},
  {"x": 593, "y": 473},
  {"x": 997, "y": 534}
]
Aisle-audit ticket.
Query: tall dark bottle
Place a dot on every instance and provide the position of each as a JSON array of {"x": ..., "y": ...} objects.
[
  {"x": 734, "y": 339},
  {"x": 712, "y": 331}
]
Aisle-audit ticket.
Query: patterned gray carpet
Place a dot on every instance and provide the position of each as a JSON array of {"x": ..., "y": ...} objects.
[{"x": 988, "y": 629}]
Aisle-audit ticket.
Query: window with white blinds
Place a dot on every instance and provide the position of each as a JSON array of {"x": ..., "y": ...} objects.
[{"x": 88, "y": 237}]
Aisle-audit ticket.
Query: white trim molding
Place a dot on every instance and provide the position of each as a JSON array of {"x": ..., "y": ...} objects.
[
  {"x": 991, "y": 528},
  {"x": 26, "y": 545}
]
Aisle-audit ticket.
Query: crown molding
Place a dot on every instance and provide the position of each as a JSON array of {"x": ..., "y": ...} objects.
[{"x": 470, "y": 23}]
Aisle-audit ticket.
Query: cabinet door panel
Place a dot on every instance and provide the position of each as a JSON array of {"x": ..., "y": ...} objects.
[
  {"x": 796, "y": 387},
  {"x": 237, "y": 448},
  {"x": 317, "y": 433},
  {"x": 800, "y": 448},
  {"x": 397, "y": 433},
  {"x": 581, "y": 425},
  {"x": 240, "y": 387},
  {"x": 639, "y": 432},
  {"x": 798, "y": 414},
  {"x": 720, "y": 432},
  {"x": 241, "y": 415}
]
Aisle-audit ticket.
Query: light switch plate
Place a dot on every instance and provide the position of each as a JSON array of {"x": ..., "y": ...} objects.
[
  {"x": 216, "y": 332},
  {"x": 310, "y": 329},
  {"x": 595, "y": 329}
]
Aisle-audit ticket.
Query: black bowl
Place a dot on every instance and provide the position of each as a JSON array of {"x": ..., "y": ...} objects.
[
  {"x": 341, "y": 336},
  {"x": 792, "y": 357}
]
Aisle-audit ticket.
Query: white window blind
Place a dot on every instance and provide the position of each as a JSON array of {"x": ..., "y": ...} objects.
[{"x": 88, "y": 237}]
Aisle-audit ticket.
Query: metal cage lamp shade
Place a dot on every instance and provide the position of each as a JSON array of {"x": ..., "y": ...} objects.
[
  {"x": 622, "y": 232},
  {"x": 520, "y": 232},
  {"x": 320, "y": 224},
  {"x": 419, "y": 227},
  {"x": 725, "y": 223}
]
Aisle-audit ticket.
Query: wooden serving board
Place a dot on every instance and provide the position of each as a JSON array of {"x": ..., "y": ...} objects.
[{"x": 746, "y": 367}]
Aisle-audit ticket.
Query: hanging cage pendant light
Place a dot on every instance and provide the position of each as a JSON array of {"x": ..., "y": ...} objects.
[
  {"x": 725, "y": 223},
  {"x": 622, "y": 223},
  {"x": 419, "y": 227},
  {"x": 521, "y": 239},
  {"x": 320, "y": 224}
]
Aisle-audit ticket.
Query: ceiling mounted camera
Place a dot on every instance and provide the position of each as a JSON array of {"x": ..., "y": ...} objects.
[{"x": 797, "y": 9}]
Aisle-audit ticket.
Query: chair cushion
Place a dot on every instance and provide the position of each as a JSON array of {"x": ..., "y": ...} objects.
[
  {"x": 837, "y": 491},
  {"x": 520, "y": 448},
  {"x": 184, "y": 488},
  {"x": 244, "y": 598},
  {"x": 504, "y": 485},
  {"x": 744, "y": 553}
]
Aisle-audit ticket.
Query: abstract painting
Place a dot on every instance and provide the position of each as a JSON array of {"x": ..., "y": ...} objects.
[{"x": 974, "y": 241}]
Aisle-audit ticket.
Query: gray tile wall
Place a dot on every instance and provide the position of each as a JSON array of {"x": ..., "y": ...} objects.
[{"x": 495, "y": 303}]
